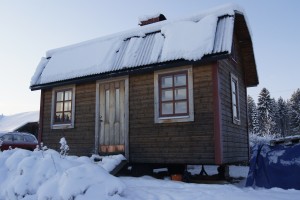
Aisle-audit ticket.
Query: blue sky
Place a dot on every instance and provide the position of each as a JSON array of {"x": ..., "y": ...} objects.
[{"x": 31, "y": 27}]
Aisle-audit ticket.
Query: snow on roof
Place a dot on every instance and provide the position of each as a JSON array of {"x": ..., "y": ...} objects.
[
  {"x": 13, "y": 122},
  {"x": 189, "y": 39}
]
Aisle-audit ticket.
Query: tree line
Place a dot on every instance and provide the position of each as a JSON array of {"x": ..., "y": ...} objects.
[{"x": 271, "y": 117}]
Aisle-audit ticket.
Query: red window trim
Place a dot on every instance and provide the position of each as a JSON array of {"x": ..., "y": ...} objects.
[
  {"x": 63, "y": 109},
  {"x": 173, "y": 87}
]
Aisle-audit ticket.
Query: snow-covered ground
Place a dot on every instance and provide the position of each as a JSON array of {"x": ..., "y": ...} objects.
[{"x": 45, "y": 175}]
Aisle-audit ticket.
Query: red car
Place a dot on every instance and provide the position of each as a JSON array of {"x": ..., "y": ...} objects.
[{"x": 17, "y": 140}]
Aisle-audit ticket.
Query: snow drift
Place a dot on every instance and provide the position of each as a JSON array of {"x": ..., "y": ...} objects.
[
  {"x": 44, "y": 175},
  {"x": 47, "y": 175}
]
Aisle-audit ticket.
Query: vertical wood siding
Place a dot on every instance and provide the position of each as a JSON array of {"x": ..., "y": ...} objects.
[
  {"x": 80, "y": 138},
  {"x": 183, "y": 142},
  {"x": 235, "y": 137}
]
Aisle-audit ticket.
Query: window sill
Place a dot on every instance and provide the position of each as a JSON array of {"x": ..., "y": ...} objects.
[
  {"x": 62, "y": 126},
  {"x": 186, "y": 118},
  {"x": 237, "y": 122},
  {"x": 175, "y": 117}
]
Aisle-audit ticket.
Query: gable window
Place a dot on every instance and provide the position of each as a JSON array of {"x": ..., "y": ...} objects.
[
  {"x": 63, "y": 108},
  {"x": 235, "y": 99},
  {"x": 173, "y": 96}
]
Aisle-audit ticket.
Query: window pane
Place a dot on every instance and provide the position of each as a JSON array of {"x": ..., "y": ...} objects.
[
  {"x": 167, "y": 108},
  {"x": 233, "y": 86},
  {"x": 167, "y": 95},
  {"x": 67, "y": 116},
  {"x": 59, "y": 96},
  {"x": 68, "y": 95},
  {"x": 18, "y": 138},
  {"x": 233, "y": 99},
  {"x": 180, "y": 79},
  {"x": 180, "y": 93},
  {"x": 29, "y": 138},
  {"x": 235, "y": 115},
  {"x": 181, "y": 107},
  {"x": 59, "y": 107},
  {"x": 58, "y": 117},
  {"x": 68, "y": 106},
  {"x": 7, "y": 138},
  {"x": 166, "y": 81}
]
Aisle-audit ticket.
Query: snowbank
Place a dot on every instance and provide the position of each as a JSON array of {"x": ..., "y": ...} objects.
[
  {"x": 46, "y": 175},
  {"x": 38, "y": 175}
]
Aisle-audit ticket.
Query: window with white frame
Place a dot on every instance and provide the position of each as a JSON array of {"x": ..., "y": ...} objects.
[
  {"x": 235, "y": 99},
  {"x": 63, "y": 107},
  {"x": 173, "y": 95}
]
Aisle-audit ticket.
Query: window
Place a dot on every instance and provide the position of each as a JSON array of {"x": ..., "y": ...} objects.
[
  {"x": 235, "y": 99},
  {"x": 174, "y": 95},
  {"x": 63, "y": 107},
  {"x": 7, "y": 138}
]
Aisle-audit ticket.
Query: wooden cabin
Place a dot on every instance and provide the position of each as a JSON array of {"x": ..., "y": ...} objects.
[{"x": 169, "y": 92}]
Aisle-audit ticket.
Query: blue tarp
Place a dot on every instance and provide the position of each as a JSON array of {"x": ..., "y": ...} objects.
[{"x": 275, "y": 166}]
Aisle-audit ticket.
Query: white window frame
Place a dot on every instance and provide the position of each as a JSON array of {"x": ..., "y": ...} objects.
[
  {"x": 173, "y": 119},
  {"x": 235, "y": 100},
  {"x": 53, "y": 104}
]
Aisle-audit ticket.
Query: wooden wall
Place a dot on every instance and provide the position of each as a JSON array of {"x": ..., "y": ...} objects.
[
  {"x": 149, "y": 142},
  {"x": 80, "y": 138},
  {"x": 235, "y": 137},
  {"x": 184, "y": 142}
]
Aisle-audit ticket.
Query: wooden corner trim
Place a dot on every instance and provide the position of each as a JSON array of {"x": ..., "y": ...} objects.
[{"x": 217, "y": 117}]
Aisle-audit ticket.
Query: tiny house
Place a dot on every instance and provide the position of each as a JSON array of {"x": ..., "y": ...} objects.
[{"x": 169, "y": 92}]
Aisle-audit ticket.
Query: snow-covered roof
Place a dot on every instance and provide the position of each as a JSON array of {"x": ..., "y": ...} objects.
[
  {"x": 13, "y": 122},
  {"x": 188, "y": 39}
]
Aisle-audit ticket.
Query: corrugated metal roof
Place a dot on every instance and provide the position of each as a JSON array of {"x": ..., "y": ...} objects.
[
  {"x": 156, "y": 43},
  {"x": 115, "y": 54},
  {"x": 139, "y": 51},
  {"x": 223, "y": 32},
  {"x": 147, "y": 50}
]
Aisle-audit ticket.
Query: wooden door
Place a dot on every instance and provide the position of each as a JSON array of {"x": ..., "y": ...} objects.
[{"x": 112, "y": 112}]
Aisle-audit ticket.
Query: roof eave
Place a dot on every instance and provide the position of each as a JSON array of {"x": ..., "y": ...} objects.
[
  {"x": 245, "y": 42},
  {"x": 130, "y": 71}
]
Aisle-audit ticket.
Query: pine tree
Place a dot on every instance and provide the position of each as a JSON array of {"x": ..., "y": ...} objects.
[
  {"x": 265, "y": 108},
  {"x": 251, "y": 109},
  {"x": 253, "y": 125},
  {"x": 274, "y": 118},
  {"x": 295, "y": 112},
  {"x": 283, "y": 117}
]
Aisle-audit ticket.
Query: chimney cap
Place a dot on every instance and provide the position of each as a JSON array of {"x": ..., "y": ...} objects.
[{"x": 150, "y": 19}]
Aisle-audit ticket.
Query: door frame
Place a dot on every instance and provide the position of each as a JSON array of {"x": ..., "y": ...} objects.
[{"x": 126, "y": 113}]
